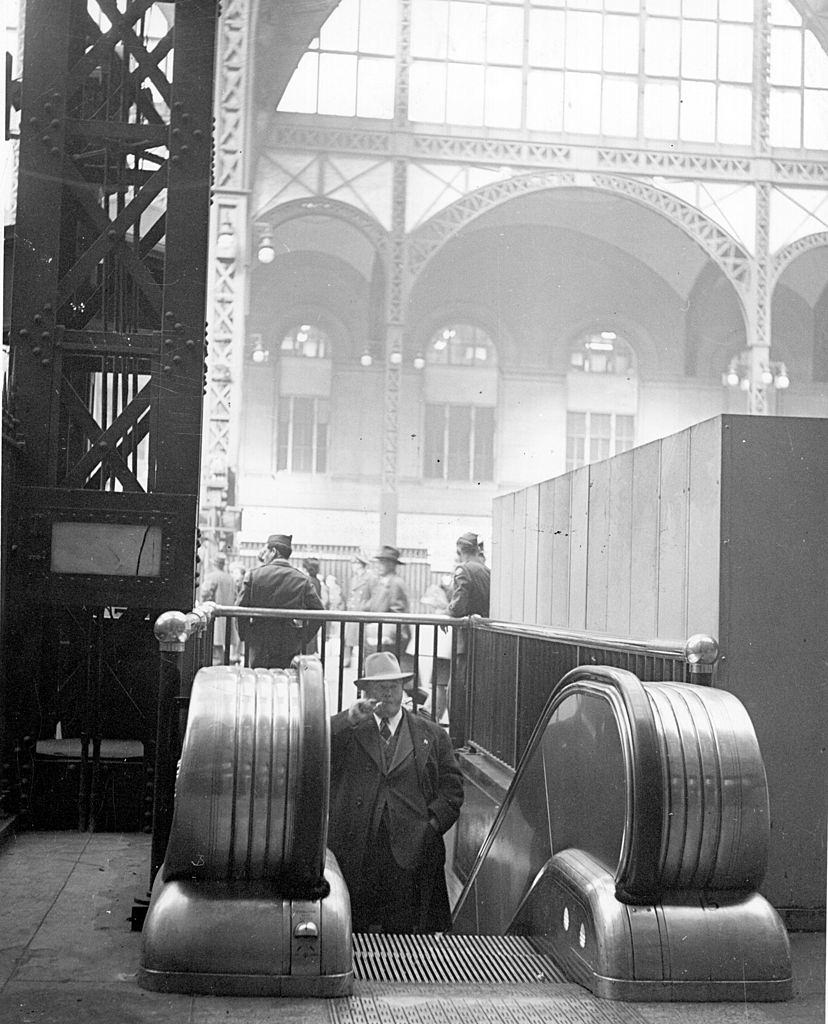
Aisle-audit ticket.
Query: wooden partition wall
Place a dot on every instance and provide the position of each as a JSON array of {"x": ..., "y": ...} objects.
[{"x": 720, "y": 529}]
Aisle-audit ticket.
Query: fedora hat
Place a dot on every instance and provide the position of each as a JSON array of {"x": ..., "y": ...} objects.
[
  {"x": 388, "y": 554},
  {"x": 383, "y": 667}
]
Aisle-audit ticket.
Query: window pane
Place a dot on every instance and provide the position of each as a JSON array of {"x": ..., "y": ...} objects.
[
  {"x": 661, "y": 47},
  {"x": 621, "y": 44},
  {"x": 429, "y": 27},
  {"x": 600, "y": 424},
  {"x": 378, "y": 27},
  {"x": 815, "y": 129},
  {"x": 661, "y": 110},
  {"x": 375, "y": 87},
  {"x": 427, "y": 92},
  {"x": 337, "y": 84},
  {"x": 786, "y": 57},
  {"x": 544, "y": 101},
  {"x": 504, "y": 89},
  {"x": 816, "y": 63},
  {"x": 467, "y": 32},
  {"x": 575, "y": 439},
  {"x": 699, "y": 9},
  {"x": 698, "y": 111},
  {"x": 504, "y": 35},
  {"x": 433, "y": 456},
  {"x": 735, "y": 112},
  {"x": 283, "y": 434},
  {"x": 783, "y": 13},
  {"x": 459, "y": 442},
  {"x": 736, "y": 53},
  {"x": 483, "y": 443},
  {"x": 300, "y": 94},
  {"x": 546, "y": 39},
  {"x": 785, "y": 114},
  {"x": 619, "y": 115},
  {"x": 340, "y": 30},
  {"x": 302, "y": 461},
  {"x": 632, "y": 6},
  {"x": 464, "y": 94},
  {"x": 624, "y": 433},
  {"x": 582, "y": 109},
  {"x": 666, "y": 7},
  {"x": 736, "y": 10},
  {"x": 583, "y": 42},
  {"x": 322, "y": 418},
  {"x": 698, "y": 49}
]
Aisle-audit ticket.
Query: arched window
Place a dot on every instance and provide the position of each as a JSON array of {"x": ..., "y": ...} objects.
[
  {"x": 602, "y": 351},
  {"x": 461, "y": 344}
]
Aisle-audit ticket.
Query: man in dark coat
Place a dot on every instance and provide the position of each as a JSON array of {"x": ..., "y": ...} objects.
[
  {"x": 273, "y": 643},
  {"x": 470, "y": 589},
  {"x": 396, "y": 788}
]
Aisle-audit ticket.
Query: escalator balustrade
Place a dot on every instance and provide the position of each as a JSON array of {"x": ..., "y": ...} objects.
[{"x": 632, "y": 842}]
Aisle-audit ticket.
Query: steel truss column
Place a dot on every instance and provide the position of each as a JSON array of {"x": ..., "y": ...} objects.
[
  {"x": 759, "y": 295},
  {"x": 396, "y": 300},
  {"x": 229, "y": 265}
]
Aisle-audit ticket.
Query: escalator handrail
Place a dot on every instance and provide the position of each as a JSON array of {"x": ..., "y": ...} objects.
[{"x": 637, "y": 874}]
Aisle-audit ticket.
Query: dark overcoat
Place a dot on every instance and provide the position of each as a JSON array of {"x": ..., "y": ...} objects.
[
  {"x": 273, "y": 643},
  {"x": 423, "y": 782}
]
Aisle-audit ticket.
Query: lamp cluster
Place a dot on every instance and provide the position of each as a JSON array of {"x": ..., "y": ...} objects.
[
  {"x": 395, "y": 358},
  {"x": 738, "y": 374}
]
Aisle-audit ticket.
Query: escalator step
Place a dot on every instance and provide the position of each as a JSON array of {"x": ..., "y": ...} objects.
[{"x": 446, "y": 959}]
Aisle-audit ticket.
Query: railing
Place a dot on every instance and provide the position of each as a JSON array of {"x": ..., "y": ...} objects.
[
  {"x": 501, "y": 674},
  {"x": 186, "y": 645},
  {"x": 514, "y": 668}
]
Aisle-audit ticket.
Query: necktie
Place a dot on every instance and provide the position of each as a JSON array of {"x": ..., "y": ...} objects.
[{"x": 385, "y": 732}]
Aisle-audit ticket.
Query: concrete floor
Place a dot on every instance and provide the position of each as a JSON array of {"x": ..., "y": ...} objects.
[{"x": 68, "y": 956}]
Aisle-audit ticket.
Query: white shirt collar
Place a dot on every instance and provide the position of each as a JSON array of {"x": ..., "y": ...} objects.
[{"x": 392, "y": 722}]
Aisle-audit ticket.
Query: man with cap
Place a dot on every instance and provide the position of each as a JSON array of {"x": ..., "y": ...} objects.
[
  {"x": 273, "y": 643},
  {"x": 470, "y": 589},
  {"x": 396, "y": 788}
]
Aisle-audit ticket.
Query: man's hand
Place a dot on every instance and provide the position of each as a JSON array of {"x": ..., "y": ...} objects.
[{"x": 361, "y": 709}]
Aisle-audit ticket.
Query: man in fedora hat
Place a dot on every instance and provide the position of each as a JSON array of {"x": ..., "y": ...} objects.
[
  {"x": 273, "y": 643},
  {"x": 396, "y": 788},
  {"x": 388, "y": 594}
]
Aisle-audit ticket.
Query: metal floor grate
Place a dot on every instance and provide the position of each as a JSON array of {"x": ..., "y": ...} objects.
[{"x": 447, "y": 959}]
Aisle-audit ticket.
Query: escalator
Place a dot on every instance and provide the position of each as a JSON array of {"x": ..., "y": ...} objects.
[
  {"x": 631, "y": 844},
  {"x": 625, "y": 857}
]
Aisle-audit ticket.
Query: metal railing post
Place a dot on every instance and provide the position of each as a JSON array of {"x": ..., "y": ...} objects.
[
  {"x": 171, "y": 631},
  {"x": 701, "y": 652}
]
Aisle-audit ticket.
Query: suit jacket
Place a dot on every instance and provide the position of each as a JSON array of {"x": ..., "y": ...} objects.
[
  {"x": 273, "y": 643},
  {"x": 424, "y": 781}
]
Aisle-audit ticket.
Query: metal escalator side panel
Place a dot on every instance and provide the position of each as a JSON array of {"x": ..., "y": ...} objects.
[
  {"x": 313, "y": 779},
  {"x": 278, "y": 781},
  {"x": 690, "y": 946},
  {"x": 201, "y": 834},
  {"x": 717, "y": 812}
]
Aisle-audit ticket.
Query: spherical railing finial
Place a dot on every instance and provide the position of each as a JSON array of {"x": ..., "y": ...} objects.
[
  {"x": 701, "y": 653},
  {"x": 171, "y": 628}
]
